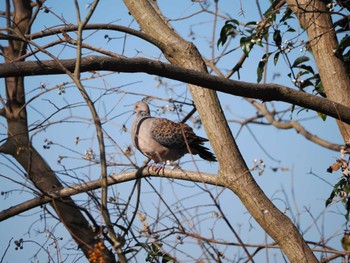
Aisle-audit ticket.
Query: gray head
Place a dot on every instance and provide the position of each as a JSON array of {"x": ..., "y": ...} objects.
[{"x": 141, "y": 109}]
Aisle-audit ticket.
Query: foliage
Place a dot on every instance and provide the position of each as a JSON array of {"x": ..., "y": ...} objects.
[
  {"x": 275, "y": 32},
  {"x": 342, "y": 187},
  {"x": 154, "y": 253}
]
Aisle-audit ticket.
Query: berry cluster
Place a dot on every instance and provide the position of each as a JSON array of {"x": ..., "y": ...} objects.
[{"x": 96, "y": 254}]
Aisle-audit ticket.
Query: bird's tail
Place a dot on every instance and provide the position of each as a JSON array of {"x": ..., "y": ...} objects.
[{"x": 203, "y": 152}]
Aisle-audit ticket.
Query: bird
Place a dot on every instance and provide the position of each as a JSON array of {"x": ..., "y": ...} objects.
[{"x": 163, "y": 140}]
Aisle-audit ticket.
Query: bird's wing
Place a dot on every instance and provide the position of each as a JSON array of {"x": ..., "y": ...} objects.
[{"x": 171, "y": 134}]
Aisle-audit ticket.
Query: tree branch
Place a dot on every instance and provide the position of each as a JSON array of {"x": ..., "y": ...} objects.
[
  {"x": 204, "y": 178},
  {"x": 292, "y": 124},
  {"x": 74, "y": 28},
  {"x": 76, "y": 77},
  {"x": 314, "y": 17},
  {"x": 265, "y": 92}
]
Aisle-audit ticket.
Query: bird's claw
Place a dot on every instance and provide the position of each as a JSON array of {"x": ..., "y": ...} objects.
[{"x": 156, "y": 168}]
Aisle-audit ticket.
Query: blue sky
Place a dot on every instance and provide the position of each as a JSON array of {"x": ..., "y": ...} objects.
[{"x": 306, "y": 194}]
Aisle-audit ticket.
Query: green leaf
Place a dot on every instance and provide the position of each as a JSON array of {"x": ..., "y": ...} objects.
[
  {"x": 272, "y": 8},
  {"x": 290, "y": 29},
  {"x": 250, "y": 23},
  {"x": 306, "y": 83},
  {"x": 261, "y": 66},
  {"x": 347, "y": 206},
  {"x": 155, "y": 248},
  {"x": 229, "y": 29},
  {"x": 277, "y": 38},
  {"x": 143, "y": 245},
  {"x": 259, "y": 43},
  {"x": 300, "y": 60},
  {"x": 319, "y": 88},
  {"x": 322, "y": 116},
  {"x": 167, "y": 258},
  {"x": 344, "y": 43},
  {"x": 330, "y": 198},
  {"x": 302, "y": 73},
  {"x": 275, "y": 58},
  {"x": 287, "y": 15},
  {"x": 346, "y": 57},
  {"x": 233, "y": 21},
  {"x": 341, "y": 184},
  {"x": 246, "y": 45},
  {"x": 308, "y": 68}
]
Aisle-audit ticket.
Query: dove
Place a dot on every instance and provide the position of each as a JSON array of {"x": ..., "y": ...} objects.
[{"x": 163, "y": 140}]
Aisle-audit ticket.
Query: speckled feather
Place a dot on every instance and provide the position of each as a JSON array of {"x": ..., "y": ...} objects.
[
  {"x": 161, "y": 139},
  {"x": 172, "y": 134}
]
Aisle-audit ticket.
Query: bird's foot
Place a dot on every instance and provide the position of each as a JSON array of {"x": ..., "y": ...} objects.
[
  {"x": 156, "y": 168},
  {"x": 160, "y": 168}
]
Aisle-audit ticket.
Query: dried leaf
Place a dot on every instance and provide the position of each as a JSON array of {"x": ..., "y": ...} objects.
[{"x": 335, "y": 167}]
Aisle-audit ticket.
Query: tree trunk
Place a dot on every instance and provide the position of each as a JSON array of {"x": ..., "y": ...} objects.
[
  {"x": 316, "y": 20},
  {"x": 233, "y": 170},
  {"x": 19, "y": 146}
]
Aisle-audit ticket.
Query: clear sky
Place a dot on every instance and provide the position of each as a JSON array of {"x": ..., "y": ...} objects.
[{"x": 294, "y": 189}]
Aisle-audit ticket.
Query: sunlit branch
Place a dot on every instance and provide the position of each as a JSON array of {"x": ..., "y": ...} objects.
[
  {"x": 111, "y": 180},
  {"x": 265, "y": 92}
]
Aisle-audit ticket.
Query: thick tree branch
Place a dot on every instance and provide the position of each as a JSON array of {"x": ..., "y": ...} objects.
[
  {"x": 317, "y": 21},
  {"x": 265, "y": 92},
  {"x": 204, "y": 178}
]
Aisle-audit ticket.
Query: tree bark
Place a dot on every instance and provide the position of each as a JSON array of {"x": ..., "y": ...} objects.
[
  {"x": 233, "y": 173},
  {"x": 265, "y": 92},
  {"x": 19, "y": 145},
  {"x": 316, "y": 20}
]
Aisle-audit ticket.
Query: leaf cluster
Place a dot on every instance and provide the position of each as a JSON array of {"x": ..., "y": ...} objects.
[
  {"x": 154, "y": 252},
  {"x": 276, "y": 33},
  {"x": 342, "y": 188}
]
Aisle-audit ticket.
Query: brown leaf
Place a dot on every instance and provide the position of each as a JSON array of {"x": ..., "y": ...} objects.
[{"x": 335, "y": 167}]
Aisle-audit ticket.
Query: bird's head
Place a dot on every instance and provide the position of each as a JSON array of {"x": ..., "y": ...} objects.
[{"x": 141, "y": 108}]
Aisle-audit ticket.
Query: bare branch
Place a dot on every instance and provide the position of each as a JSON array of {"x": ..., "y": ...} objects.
[
  {"x": 270, "y": 117},
  {"x": 265, "y": 92},
  {"x": 204, "y": 178},
  {"x": 74, "y": 28}
]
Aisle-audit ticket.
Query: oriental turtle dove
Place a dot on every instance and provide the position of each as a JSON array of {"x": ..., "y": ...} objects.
[{"x": 163, "y": 140}]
